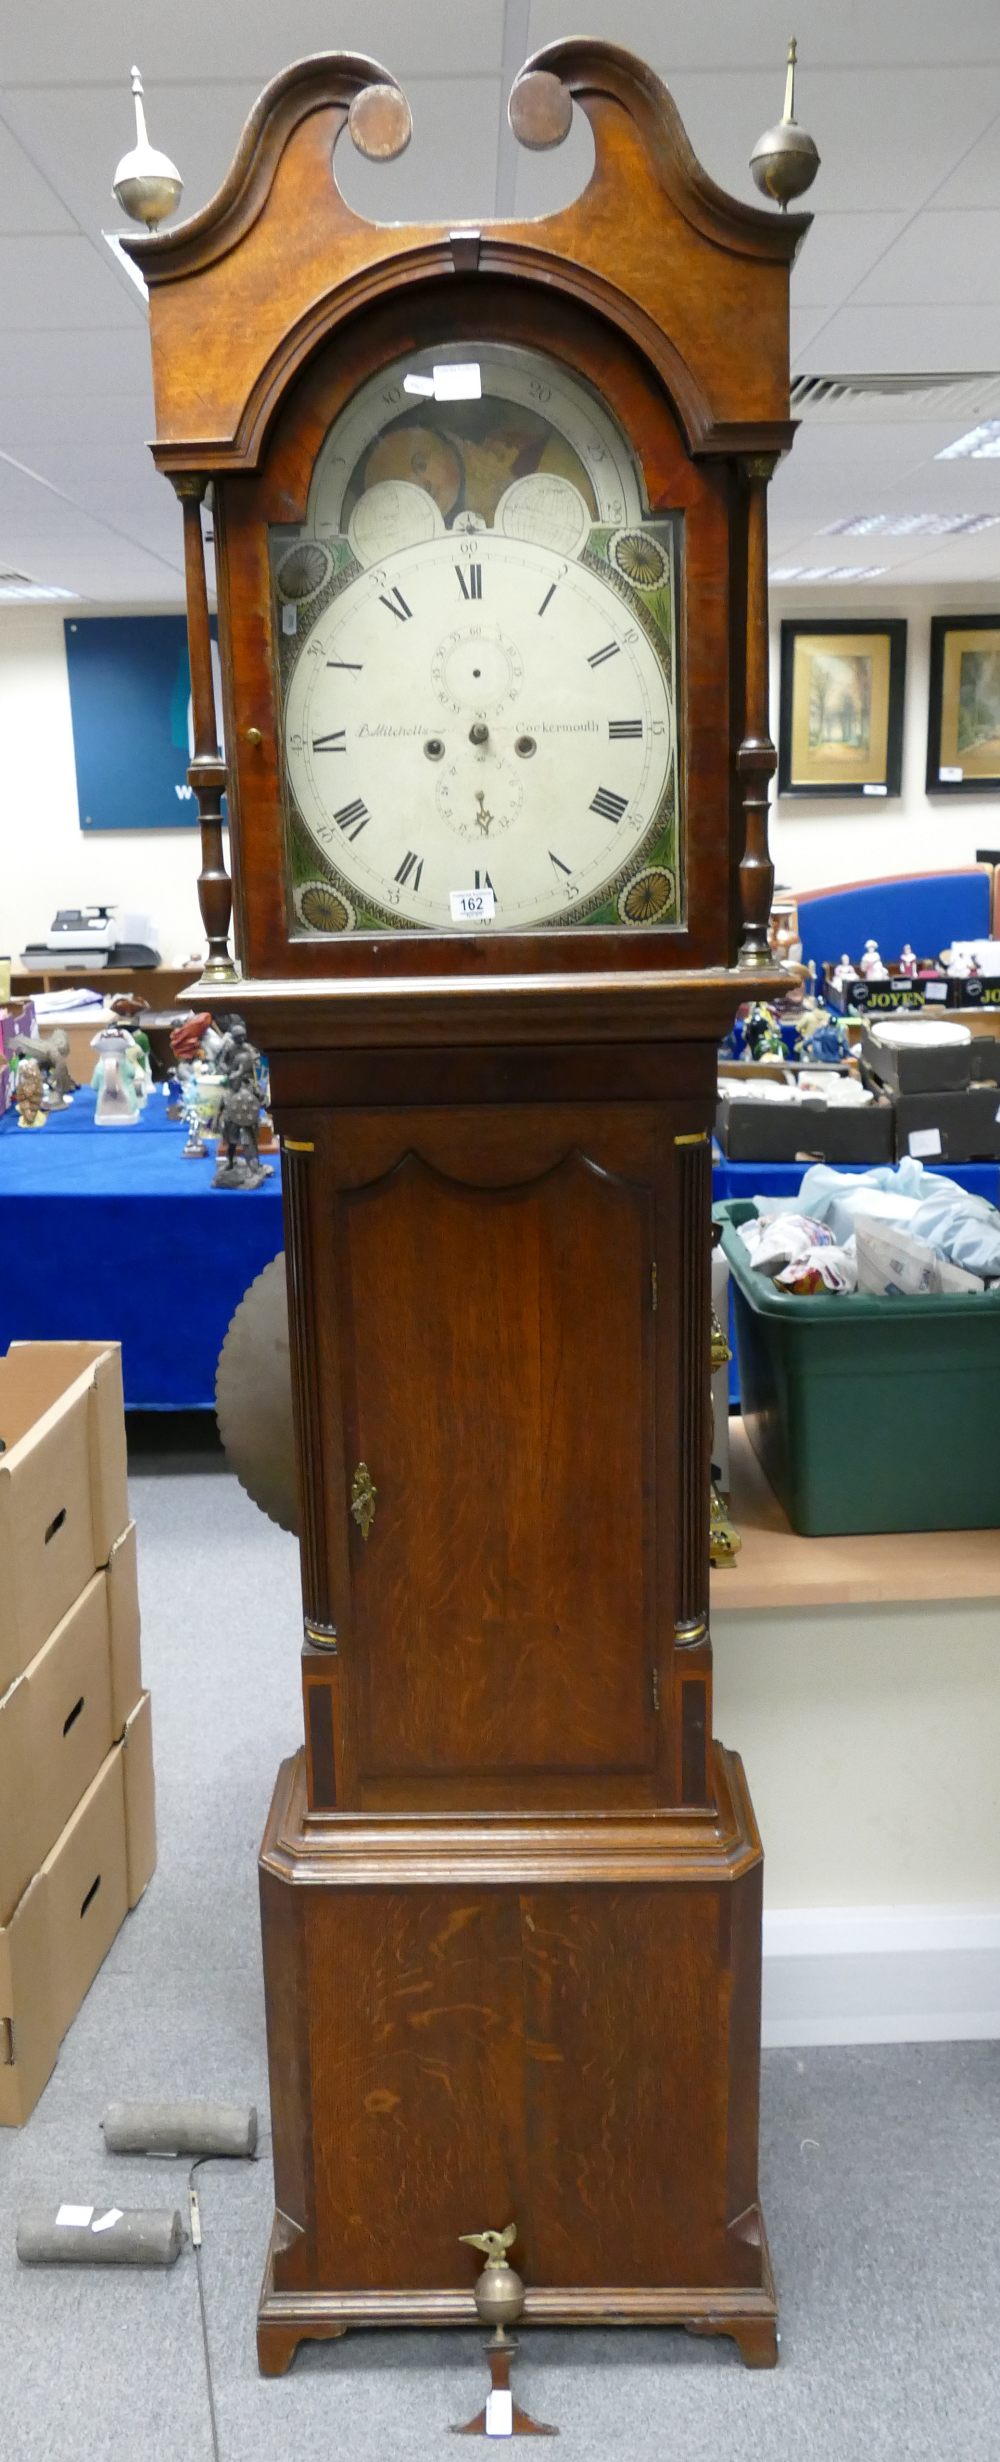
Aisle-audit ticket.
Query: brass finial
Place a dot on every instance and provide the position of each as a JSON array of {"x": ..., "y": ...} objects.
[
  {"x": 147, "y": 184},
  {"x": 785, "y": 161}
]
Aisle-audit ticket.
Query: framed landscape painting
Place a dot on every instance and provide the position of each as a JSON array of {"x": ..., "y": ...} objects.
[
  {"x": 841, "y": 718},
  {"x": 963, "y": 719}
]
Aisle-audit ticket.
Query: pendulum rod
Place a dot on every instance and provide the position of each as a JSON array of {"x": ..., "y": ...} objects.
[{"x": 207, "y": 771}]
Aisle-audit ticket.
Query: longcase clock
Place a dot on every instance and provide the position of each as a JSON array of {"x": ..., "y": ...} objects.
[{"x": 489, "y": 513}]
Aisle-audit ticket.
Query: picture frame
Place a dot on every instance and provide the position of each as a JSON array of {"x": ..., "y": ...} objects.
[
  {"x": 963, "y": 712},
  {"x": 840, "y": 731}
]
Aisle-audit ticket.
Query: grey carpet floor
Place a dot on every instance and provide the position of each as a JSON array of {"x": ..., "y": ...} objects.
[{"x": 881, "y": 2166}]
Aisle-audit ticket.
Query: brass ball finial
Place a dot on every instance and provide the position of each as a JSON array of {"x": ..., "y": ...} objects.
[
  {"x": 147, "y": 185},
  {"x": 785, "y": 160}
]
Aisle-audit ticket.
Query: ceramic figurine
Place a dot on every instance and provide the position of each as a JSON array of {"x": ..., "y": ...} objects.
[
  {"x": 173, "y": 1093},
  {"x": 907, "y": 962},
  {"x": 51, "y": 1054},
  {"x": 763, "y": 1034},
  {"x": 871, "y": 963},
  {"x": 28, "y": 1095},
  {"x": 115, "y": 1078},
  {"x": 827, "y": 1042},
  {"x": 195, "y": 1148},
  {"x": 843, "y": 973}
]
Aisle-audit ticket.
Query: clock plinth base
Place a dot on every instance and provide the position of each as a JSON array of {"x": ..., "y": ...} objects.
[{"x": 556, "y": 2016}]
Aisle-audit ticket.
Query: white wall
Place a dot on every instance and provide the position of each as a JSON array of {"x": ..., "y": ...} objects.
[
  {"x": 46, "y": 860},
  {"x": 816, "y": 845}
]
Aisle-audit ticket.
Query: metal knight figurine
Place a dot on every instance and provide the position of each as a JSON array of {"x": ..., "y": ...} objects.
[{"x": 238, "y": 1063}]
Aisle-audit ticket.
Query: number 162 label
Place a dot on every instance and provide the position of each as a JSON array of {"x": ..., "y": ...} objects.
[{"x": 473, "y": 905}]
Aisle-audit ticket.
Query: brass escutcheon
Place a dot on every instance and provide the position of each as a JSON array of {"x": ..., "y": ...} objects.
[{"x": 363, "y": 1494}]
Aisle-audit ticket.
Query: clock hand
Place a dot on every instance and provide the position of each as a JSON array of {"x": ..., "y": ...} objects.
[{"x": 483, "y": 818}]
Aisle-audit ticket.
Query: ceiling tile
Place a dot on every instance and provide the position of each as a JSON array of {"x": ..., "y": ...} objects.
[
  {"x": 837, "y": 254},
  {"x": 76, "y": 364},
  {"x": 57, "y": 284},
  {"x": 942, "y": 259},
  {"x": 27, "y": 203},
  {"x": 98, "y": 42},
  {"x": 898, "y": 341},
  {"x": 855, "y": 34}
]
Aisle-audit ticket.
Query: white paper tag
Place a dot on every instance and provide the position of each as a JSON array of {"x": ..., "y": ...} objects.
[
  {"x": 951, "y": 776},
  {"x": 74, "y": 2217},
  {"x": 473, "y": 905},
  {"x": 935, "y": 991},
  {"x": 104, "y": 2222},
  {"x": 874, "y": 790},
  {"x": 499, "y": 2413},
  {"x": 289, "y": 619},
  {"x": 924, "y": 1141}
]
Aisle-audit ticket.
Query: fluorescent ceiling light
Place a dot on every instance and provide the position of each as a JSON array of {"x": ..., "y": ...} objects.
[
  {"x": 910, "y": 525},
  {"x": 459, "y": 381},
  {"x": 980, "y": 444},
  {"x": 825, "y": 572}
]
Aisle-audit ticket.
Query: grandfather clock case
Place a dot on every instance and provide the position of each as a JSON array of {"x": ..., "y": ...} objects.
[{"x": 510, "y": 1887}]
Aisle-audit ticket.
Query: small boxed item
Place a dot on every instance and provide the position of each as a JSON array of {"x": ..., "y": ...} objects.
[
  {"x": 984, "y": 1060},
  {"x": 912, "y": 1057},
  {"x": 64, "y": 1924},
  {"x": 63, "y": 1486},
  {"x": 950, "y": 1127},
  {"x": 758, "y": 1132},
  {"x": 61, "y": 1716}
]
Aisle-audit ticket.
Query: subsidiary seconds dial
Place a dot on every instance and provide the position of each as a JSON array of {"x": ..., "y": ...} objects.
[{"x": 478, "y": 713}]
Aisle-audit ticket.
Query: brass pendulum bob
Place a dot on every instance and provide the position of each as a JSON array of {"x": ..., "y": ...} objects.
[{"x": 499, "y": 2298}]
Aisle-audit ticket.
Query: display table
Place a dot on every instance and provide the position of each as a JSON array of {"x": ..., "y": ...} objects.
[{"x": 111, "y": 1233}]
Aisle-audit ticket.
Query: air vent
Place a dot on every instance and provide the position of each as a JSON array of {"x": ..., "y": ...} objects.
[
  {"x": 867, "y": 398},
  {"x": 19, "y": 589}
]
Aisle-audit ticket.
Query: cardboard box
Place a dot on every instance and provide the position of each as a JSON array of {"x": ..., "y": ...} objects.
[
  {"x": 825, "y": 1132},
  {"x": 949, "y": 1128},
  {"x": 922, "y": 1068},
  {"x": 63, "y": 1486},
  {"x": 63, "y": 1926},
  {"x": 984, "y": 1060},
  {"x": 884, "y": 993},
  {"x": 974, "y": 992},
  {"x": 60, "y": 1718}
]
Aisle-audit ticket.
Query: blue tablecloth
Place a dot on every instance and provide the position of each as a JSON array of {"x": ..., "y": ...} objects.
[{"x": 110, "y": 1233}]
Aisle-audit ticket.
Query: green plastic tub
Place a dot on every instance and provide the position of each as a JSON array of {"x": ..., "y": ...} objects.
[{"x": 869, "y": 1414}]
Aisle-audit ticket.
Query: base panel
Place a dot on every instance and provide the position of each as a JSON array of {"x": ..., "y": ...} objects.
[{"x": 550, "y": 2021}]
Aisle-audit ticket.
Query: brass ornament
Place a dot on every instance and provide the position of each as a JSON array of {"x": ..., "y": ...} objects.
[
  {"x": 499, "y": 2296},
  {"x": 147, "y": 185},
  {"x": 321, "y": 908},
  {"x": 724, "y": 1541},
  {"x": 302, "y": 571},
  {"x": 646, "y": 898},
  {"x": 379, "y": 122},
  {"x": 363, "y": 1494},
  {"x": 540, "y": 110},
  {"x": 785, "y": 159},
  {"x": 638, "y": 559}
]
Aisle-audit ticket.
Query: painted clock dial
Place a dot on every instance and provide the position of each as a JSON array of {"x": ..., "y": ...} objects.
[{"x": 477, "y": 634}]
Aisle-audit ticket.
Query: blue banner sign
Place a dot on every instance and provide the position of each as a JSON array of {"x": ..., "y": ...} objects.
[{"x": 130, "y": 698}]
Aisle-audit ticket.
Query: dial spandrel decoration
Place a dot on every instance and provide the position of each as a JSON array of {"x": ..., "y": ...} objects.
[{"x": 479, "y": 699}]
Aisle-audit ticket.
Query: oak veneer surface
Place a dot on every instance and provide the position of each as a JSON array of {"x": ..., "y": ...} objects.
[{"x": 776, "y": 1568}]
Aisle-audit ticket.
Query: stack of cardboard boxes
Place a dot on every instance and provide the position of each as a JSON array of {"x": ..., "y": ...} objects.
[{"x": 77, "y": 1827}]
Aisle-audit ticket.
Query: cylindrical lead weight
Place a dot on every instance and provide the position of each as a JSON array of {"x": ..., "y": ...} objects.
[
  {"x": 180, "y": 2128},
  {"x": 149, "y": 2235}
]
